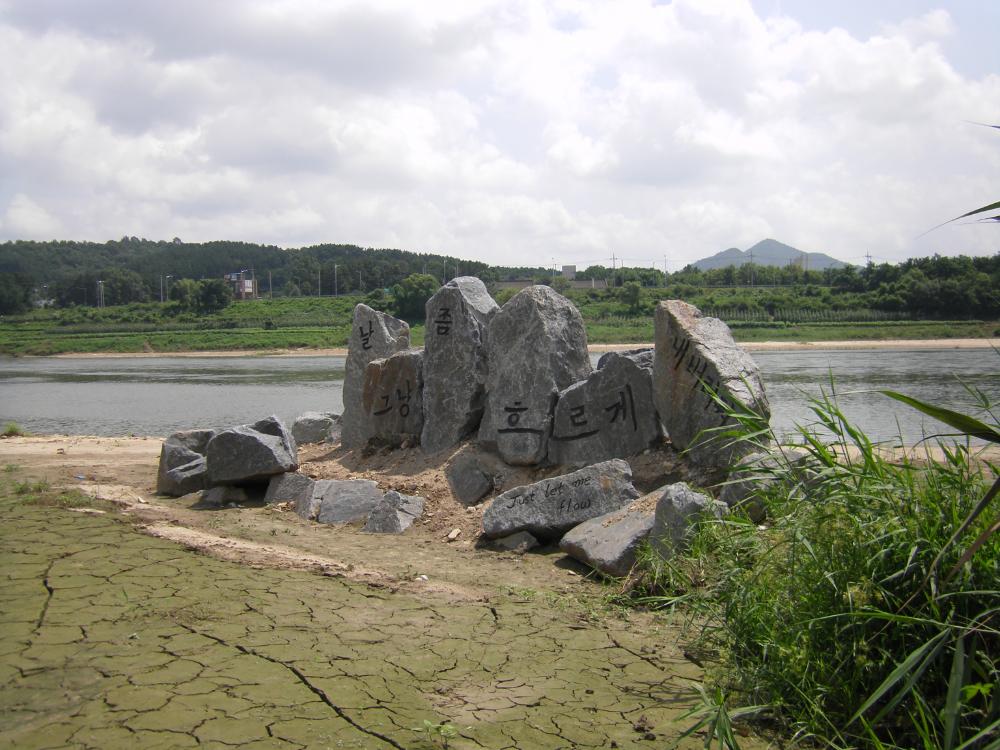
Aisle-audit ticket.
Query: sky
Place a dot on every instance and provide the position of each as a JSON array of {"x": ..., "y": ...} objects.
[{"x": 534, "y": 132}]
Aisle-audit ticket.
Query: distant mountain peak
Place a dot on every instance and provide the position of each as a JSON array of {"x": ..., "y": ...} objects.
[{"x": 768, "y": 252}]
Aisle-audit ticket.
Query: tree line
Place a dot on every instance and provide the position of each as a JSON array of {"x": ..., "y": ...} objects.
[{"x": 65, "y": 273}]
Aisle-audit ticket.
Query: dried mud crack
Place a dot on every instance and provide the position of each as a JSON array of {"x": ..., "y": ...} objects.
[{"x": 113, "y": 638}]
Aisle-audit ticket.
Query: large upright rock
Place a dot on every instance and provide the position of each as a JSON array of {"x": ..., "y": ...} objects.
[
  {"x": 608, "y": 415},
  {"x": 251, "y": 452},
  {"x": 374, "y": 335},
  {"x": 551, "y": 507},
  {"x": 536, "y": 346},
  {"x": 455, "y": 361},
  {"x": 696, "y": 355},
  {"x": 393, "y": 398}
]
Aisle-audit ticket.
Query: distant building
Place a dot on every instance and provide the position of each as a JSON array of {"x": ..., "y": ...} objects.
[
  {"x": 243, "y": 284},
  {"x": 569, "y": 272}
]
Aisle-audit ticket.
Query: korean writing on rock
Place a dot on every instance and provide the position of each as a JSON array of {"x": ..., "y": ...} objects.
[
  {"x": 620, "y": 410},
  {"x": 697, "y": 366},
  {"x": 402, "y": 401}
]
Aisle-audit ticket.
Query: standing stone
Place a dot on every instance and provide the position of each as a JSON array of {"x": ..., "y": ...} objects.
[
  {"x": 608, "y": 415},
  {"x": 536, "y": 346},
  {"x": 696, "y": 355},
  {"x": 251, "y": 452},
  {"x": 374, "y": 335},
  {"x": 677, "y": 511},
  {"x": 551, "y": 507},
  {"x": 455, "y": 361},
  {"x": 393, "y": 398}
]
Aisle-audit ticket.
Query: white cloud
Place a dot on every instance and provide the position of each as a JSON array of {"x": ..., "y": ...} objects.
[{"x": 507, "y": 131}]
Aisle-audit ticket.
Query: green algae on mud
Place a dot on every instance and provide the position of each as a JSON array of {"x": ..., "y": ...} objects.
[{"x": 114, "y": 639}]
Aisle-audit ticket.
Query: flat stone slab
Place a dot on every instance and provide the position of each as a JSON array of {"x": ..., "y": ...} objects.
[
  {"x": 536, "y": 346},
  {"x": 678, "y": 509},
  {"x": 347, "y": 500},
  {"x": 609, "y": 543},
  {"x": 393, "y": 398},
  {"x": 608, "y": 415},
  {"x": 455, "y": 364},
  {"x": 394, "y": 514},
  {"x": 695, "y": 356},
  {"x": 374, "y": 335},
  {"x": 316, "y": 427},
  {"x": 551, "y": 507},
  {"x": 251, "y": 452}
]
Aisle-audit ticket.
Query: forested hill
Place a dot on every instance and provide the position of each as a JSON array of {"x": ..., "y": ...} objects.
[{"x": 68, "y": 270}]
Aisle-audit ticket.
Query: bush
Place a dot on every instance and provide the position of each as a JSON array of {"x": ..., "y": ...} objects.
[{"x": 861, "y": 614}]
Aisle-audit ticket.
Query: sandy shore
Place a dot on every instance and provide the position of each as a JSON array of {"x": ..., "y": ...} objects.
[{"x": 750, "y": 346}]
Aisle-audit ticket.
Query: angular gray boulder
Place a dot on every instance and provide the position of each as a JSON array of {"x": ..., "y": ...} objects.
[
  {"x": 469, "y": 478},
  {"x": 316, "y": 427},
  {"x": 551, "y": 507},
  {"x": 678, "y": 509},
  {"x": 392, "y": 398},
  {"x": 609, "y": 543},
  {"x": 536, "y": 346},
  {"x": 374, "y": 335},
  {"x": 288, "y": 488},
  {"x": 182, "y": 449},
  {"x": 608, "y": 415},
  {"x": 455, "y": 362},
  {"x": 346, "y": 500},
  {"x": 251, "y": 452},
  {"x": 190, "y": 477},
  {"x": 642, "y": 357},
  {"x": 696, "y": 355},
  {"x": 394, "y": 514}
]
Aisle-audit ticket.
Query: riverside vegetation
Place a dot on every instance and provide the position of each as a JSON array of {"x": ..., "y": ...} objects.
[
  {"x": 611, "y": 316},
  {"x": 864, "y": 611}
]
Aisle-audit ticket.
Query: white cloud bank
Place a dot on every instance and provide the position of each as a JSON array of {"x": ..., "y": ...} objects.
[{"x": 510, "y": 132}]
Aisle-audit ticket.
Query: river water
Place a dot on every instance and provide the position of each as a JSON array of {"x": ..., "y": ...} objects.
[{"x": 159, "y": 395}]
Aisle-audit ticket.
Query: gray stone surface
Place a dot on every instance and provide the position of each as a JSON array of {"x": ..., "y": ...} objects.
[
  {"x": 190, "y": 477},
  {"x": 470, "y": 479},
  {"x": 289, "y": 488},
  {"x": 694, "y": 356},
  {"x": 394, "y": 514},
  {"x": 374, "y": 335},
  {"x": 393, "y": 398},
  {"x": 316, "y": 427},
  {"x": 251, "y": 452},
  {"x": 347, "y": 500},
  {"x": 455, "y": 362},
  {"x": 608, "y": 415},
  {"x": 178, "y": 450},
  {"x": 677, "y": 510},
  {"x": 551, "y": 507},
  {"x": 519, "y": 543},
  {"x": 536, "y": 346},
  {"x": 223, "y": 495},
  {"x": 642, "y": 357},
  {"x": 609, "y": 543}
]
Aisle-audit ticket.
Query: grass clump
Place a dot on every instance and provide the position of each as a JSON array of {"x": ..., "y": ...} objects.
[
  {"x": 863, "y": 612},
  {"x": 13, "y": 429}
]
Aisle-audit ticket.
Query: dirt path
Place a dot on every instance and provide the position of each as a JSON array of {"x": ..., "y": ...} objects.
[{"x": 291, "y": 634}]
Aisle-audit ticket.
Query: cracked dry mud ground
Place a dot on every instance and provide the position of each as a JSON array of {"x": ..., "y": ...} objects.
[{"x": 111, "y": 638}]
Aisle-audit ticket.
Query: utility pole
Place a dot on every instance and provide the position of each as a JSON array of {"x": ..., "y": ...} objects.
[
  {"x": 161, "y": 288},
  {"x": 334, "y": 279},
  {"x": 360, "y": 286}
]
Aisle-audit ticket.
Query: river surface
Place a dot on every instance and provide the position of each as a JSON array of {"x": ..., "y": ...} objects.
[{"x": 159, "y": 395}]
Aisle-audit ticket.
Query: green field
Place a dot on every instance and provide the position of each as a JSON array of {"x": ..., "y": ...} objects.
[{"x": 311, "y": 323}]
